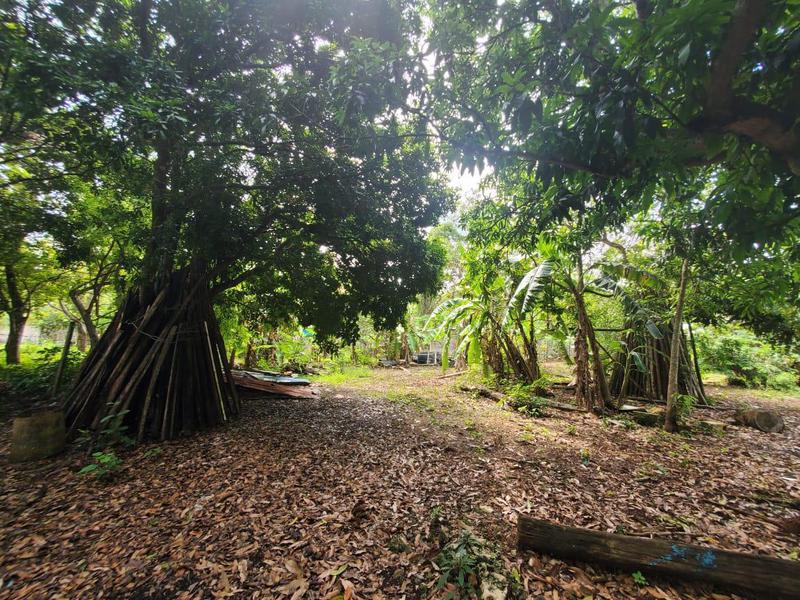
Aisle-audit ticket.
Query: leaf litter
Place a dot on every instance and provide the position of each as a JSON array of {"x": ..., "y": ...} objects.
[{"x": 354, "y": 494}]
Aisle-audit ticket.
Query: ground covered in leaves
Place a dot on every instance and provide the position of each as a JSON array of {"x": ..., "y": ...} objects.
[{"x": 355, "y": 494}]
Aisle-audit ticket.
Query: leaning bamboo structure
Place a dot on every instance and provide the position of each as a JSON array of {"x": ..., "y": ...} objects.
[
  {"x": 629, "y": 380},
  {"x": 159, "y": 370}
]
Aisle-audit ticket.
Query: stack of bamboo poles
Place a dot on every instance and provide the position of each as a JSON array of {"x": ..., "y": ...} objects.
[
  {"x": 159, "y": 370},
  {"x": 628, "y": 380}
]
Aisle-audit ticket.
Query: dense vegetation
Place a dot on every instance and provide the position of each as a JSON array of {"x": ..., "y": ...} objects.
[
  {"x": 276, "y": 173},
  {"x": 582, "y": 216}
]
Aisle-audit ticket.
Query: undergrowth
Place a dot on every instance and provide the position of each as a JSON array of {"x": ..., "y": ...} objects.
[{"x": 470, "y": 567}]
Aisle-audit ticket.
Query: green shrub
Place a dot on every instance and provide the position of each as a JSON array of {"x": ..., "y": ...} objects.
[
  {"x": 783, "y": 381},
  {"x": 31, "y": 381},
  {"x": 684, "y": 405},
  {"x": 525, "y": 398},
  {"x": 745, "y": 359},
  {"x": 469, "y": 566},
  {"x": 104, "y": 465}
]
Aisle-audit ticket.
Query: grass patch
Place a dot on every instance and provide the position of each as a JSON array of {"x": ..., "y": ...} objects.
[
  {"x": 344, "y": 375},
  {"x": 408, "y": 399}
]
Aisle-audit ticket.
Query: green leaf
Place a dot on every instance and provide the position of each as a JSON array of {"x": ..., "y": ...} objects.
[
  {"x": 637, "y": 358},
  {"x": 653, "y": 330},
  {"x": 683, "y": 55}
]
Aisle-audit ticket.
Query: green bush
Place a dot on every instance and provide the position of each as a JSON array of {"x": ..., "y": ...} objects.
[
  {"x": 103, "y": 466},
  {"x": 31, "y": 381},
  {"x": 469, "y": 565},
  {"x": 745, "y": 359},
  {"x": 784, "y": 381}
]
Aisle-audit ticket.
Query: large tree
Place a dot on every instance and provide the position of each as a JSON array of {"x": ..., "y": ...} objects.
[
  {"x": 615, "y": 100},
  {"x": 265, "y": 141},
  {"x": 593, "y": 112}
]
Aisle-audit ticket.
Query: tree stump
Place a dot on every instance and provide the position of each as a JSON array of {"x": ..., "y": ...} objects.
[
  {"x": 37, "y": 436},
  {"x": 767, "y": 421}
]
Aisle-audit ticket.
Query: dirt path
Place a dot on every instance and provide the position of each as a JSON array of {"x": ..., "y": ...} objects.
[{"x": 315, "y": 498}]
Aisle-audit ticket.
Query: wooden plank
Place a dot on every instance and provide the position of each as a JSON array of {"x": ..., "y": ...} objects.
[
  {"x": 268, "y": 376},
  {"x": 764, "y": 576},
  {"x": 277, "y": 389}
]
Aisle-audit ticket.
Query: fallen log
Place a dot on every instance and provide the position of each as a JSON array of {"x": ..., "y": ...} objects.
[
  {"x": 712, "y": 426},
  {"x": 647, "y": 418},
  {"x": 662, "y": 403},
  {"x": 563, "y": 406},
  {"x": 456, "y": 374},
  {"x": 763, "y": 576},
  {"x": 483, "y": 391},
  {"x": 767, "y": 421}
]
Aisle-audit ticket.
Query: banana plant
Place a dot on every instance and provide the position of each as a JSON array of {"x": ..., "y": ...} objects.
[{"x": 489, "y": 321}]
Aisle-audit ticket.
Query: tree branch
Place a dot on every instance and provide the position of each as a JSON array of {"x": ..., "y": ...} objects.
[{"x": 742, "y": 30}]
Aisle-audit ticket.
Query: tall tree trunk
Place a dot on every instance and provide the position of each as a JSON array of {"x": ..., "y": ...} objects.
[
  {"x": 603, "y": 396},
  {"x": 696, "y": 363},
  {"x": 598, "y": 369},
  {"x": 16, "y": 327},
  {"x": 18, "y": 312},
  {"x": 670, "y": 421},
  {"x": 250, "y": 359},
  {"x": 531, "y": 356}
]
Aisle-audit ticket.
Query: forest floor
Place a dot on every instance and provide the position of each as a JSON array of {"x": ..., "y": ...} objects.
[{"x": 353, "y": 493}]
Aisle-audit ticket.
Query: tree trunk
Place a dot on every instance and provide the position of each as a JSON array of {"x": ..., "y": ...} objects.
[
  {"x": 583, "y": 381},
  {"x": 88, "y": 326},
  {"x": 595, "y": 397},
  {"x": 16, "y": 327},
  {"x": 82, "y": 340},
  {"x": 696, "y": 362},
  {"x": 160, "y": 369},
  {"x": 598, "y": 370},
  {"x": 250, "y": 359},
  {"x": 18, "y": 313},
  {"x": 531, "y": 356},
  {"x": 670, "y": 423}
]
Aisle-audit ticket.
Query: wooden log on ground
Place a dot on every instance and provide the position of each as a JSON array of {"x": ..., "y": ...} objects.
[
  {"x": 764, "y": 576},
  {"x": 563, "y": 406},
  {"x": 648, "y": 418},
  {"x": 712, "y": 426},
  {"x": 456, "y": 374},
  {"x": 483, "y": 391},
  {"x": 767, "y": 421}
]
